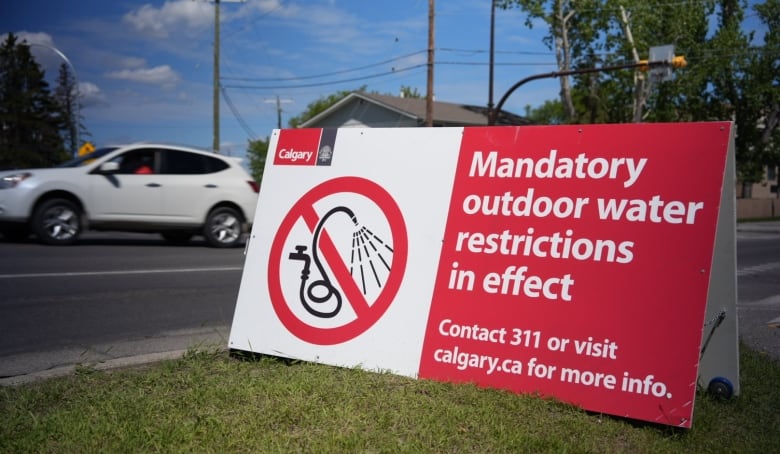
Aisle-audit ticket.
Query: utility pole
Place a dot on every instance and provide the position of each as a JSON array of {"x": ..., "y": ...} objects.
[
  {"x": 429, "y": 94},
  {"x": 492, "y": 51},
  {"x": 215, "y": 91},
  {"x": 279, "y": 109}
]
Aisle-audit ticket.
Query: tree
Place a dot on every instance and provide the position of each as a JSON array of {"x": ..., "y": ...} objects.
[
  {"x": 728, "y": 78},
  {"x": 765, "y": 69},
  {"x": 574, "y": 29},
  {"x": 636, "y": 27},
  {"x": 256, "y": 153},
  {"x": 549, "y": 113},
  {"x": 736, "y": 94},
  {"x": 30, "y": 119},
  {"x": 409, "y": 92},
  {"x": 67, "y": 95}
]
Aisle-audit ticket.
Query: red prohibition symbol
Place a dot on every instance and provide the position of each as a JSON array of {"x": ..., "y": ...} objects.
[{"x": 366, "y": 312}]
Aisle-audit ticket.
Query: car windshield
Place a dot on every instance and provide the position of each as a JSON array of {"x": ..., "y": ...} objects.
[{"x": 88, "y": 158}]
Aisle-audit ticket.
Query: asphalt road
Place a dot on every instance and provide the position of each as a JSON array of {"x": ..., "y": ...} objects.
[
  {"x": 115, "y": 300},
  {"x": 110, "y": 298},
  {"x": 758, "y": 289}
]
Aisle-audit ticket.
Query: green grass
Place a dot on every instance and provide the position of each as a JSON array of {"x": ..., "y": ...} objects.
[{"x": 212, "y": 402}]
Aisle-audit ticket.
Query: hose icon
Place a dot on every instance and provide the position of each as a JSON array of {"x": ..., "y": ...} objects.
[
  {"x": 309, "y": 295},
  {"x": 367, "y": 249}
]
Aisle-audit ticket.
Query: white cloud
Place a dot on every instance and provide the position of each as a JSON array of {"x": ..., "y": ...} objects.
[
  {"x": 91, "y": 95},
  {"x": 36, "y": 38},
  {"x": 159, "y": 75},
  {"x": 132, "y": 62},
  {"x": 171, "y": 17},
  {"x": 264, "y": 7}
]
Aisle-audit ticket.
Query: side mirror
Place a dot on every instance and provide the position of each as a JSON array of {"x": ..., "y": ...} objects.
[{"x": 108, "y": 167}]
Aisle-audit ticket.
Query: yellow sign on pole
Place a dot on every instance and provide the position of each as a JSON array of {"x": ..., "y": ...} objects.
[{"x": 86, "y": 148}]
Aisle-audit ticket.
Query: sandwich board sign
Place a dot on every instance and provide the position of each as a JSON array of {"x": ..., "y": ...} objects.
[{"x": 594, "y": 264}]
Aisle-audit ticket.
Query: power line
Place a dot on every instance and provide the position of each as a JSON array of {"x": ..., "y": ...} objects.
[
  {"x": 317, "y": 76},
  {"x": 236, "y": 114},
  {"x": 483, "y": 51},
  {"x": 371, "y": 65},
  {"x": 482, "y": 63},
  {"x": 322, "y": 84}
]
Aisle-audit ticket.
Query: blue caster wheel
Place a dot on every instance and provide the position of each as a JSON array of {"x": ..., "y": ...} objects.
[{"x": 721, "y": 387}]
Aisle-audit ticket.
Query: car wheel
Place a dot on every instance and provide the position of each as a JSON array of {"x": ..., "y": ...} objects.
[
  {"x": 223, "y": 227},
  {"x": 177, "y": 237},
  {"x": 57, "y": 221}
]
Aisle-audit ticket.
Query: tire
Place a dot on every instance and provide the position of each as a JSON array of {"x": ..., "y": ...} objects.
[
  {"x": 177, "y": 236},
  {"x": 224, "y": 227},
  {"x": 57, "y": 222}
]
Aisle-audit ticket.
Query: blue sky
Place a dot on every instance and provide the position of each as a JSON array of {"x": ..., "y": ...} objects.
[{"x": 145, "y": 69}]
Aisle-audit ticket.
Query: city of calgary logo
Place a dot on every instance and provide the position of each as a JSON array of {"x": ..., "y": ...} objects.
[
  {"x": 305, "y": 147},
  {"x": 337, "y": 260}
]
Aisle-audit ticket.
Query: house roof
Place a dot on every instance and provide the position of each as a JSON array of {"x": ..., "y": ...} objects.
[{"x": 444, "y": 113}]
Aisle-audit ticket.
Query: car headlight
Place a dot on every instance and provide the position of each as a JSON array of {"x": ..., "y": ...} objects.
[{"x": 10, "y": 181}]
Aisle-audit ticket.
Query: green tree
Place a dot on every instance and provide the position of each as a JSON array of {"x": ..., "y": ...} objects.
[
  {"x": 256, "y": 153},
  {"x": 635, "y": 27},
  {"x": 766, "y": 70},
  {"x": 549, "y": 113},
  {"x": 67, "y": 95},
  {"x": 574, "y": 33},
  {"x": 409, "y": 92},
  {"x": 728, "y": 78},
  {"x": 30, "y": 119},
  {"x": 736, "y": 94}
]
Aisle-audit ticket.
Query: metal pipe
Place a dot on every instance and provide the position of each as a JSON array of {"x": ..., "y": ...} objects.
[{"x": 643, "y": 64}]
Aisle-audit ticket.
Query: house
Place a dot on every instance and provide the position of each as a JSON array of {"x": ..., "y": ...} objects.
[
  {"x": 361, "y": 109},
  {"x": 766, "y": 189},
  {"x": 761, "y": 200}
]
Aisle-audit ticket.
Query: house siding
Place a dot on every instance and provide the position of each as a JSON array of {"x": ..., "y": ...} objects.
[{"x": 358, "y": 113}]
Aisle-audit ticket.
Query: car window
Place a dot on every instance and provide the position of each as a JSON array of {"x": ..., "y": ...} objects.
[
  {"x": 139, "y": 161},
  {"x": 87, "y": 158},
  {"x": 185, "y": 163}
]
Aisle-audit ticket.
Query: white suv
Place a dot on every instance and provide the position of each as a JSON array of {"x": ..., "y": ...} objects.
[{"x": 176, "y": 191}]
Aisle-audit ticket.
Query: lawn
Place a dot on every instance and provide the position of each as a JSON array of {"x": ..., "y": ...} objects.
[{"x": 210, "y": 401}]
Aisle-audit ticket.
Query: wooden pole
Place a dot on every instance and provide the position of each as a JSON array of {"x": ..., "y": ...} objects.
[{"x": 429, "y": 94}]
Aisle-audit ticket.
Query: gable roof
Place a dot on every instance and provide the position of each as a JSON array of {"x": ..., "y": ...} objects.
[{"x": 444, "y": 113}]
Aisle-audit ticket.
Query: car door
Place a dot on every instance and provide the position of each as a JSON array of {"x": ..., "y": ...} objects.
[
  {"x": 131, "y": 194},
  {"x": 190, "y": 188}
]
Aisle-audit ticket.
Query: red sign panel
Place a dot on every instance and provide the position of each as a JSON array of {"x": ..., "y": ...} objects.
[
  {"x": 576, "y": 262},
  {"x": 305, "y": 147}
]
